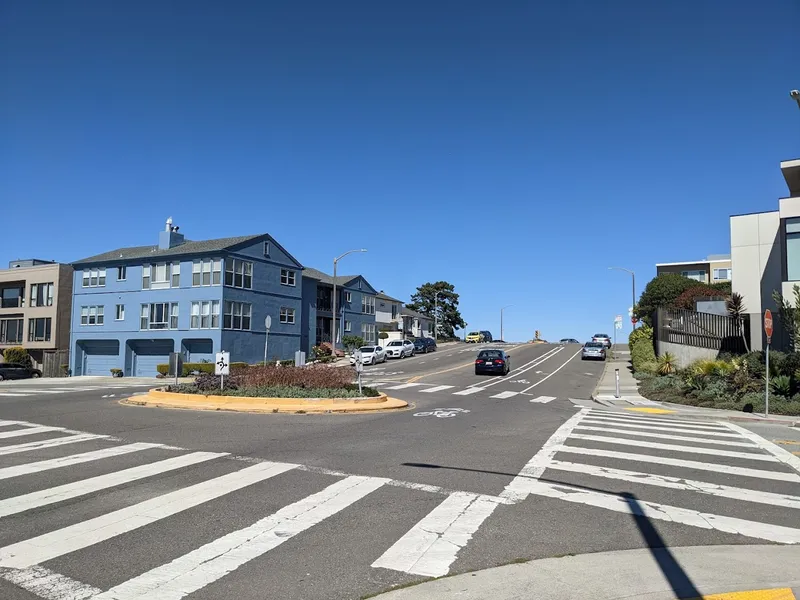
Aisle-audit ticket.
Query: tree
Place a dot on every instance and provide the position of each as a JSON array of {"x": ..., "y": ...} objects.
[
  {"x": 737, "y": 311},
  {"x": 17, "y": 355},
  {"x": 661, "y": 291},
  {"x": 351, "y": 342},
  {"x": 789, "y": 316},
  {"x": 442, "y": 296},
  {"x": 688, "y": 298}
]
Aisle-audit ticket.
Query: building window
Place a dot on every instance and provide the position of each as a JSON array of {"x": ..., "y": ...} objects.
[
  {"x": 94, "y": 278},
  {"x": 39, "y": 329},
  {"x": 205, "y": 314},
  {"x": 12, "y": 297},
  {"x": 394, "y": 312},
  {"x": 793, "y": 249},
  {"x": 266, "y": 248},
  {"x": 42, "y": 294},
  {"x": 238, "y": 273},
  {"x": 348, "y": 297},
  {"x": 722, "y": 275},
  {"x": 368, "y": 332},
  {"x": 287, "y": 277},
  {"x": 699, "y": 275},
  {"x": 348, "y": 326},
  {"x": 122, "y": 273},
  {"x": 11, "y": 331},
  {"x": 237, "y": 315},
  {"x": 368, "y": 305},
  {"x": 161, "y": 276},
  {"x": 120, "y": 316},
  {"x": 159, "y": 315},
  {"x": 287, "y": 315},
  {"x": 92, "y": 315},
  {"x": 206, "y": 272}
]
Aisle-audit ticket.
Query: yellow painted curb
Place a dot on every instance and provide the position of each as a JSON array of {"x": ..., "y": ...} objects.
[
  {"x": 774, "y": 594},
  {"x": 652, "y": 411},
  {"x": 160, "y": 398}
]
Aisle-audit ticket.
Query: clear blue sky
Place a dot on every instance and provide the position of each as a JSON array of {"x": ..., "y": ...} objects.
[{"x": 516, "y": 149}]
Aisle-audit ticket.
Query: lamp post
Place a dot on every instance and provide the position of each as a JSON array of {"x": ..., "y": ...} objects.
[
  {"x": 436, "y": 317},
  {"x": 333, "y": 321},
  {"x": 633, "y": 287},
  {"x": 501, "y": 320}
]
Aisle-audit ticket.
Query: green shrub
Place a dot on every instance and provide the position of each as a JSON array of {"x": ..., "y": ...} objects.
[
  {"x": 351, "y": 342},
  {"x": 781, "y": 385},
  {"x": 642, "y": 352},
  {"x": 383, "y": 335},
  {"x": 238, "y": 365},
  {"x": 322, "y": 350},
  {"x": 640, "y": 333},
  {"x": 17, "y": 355},
  {"x": 163, "y": 369},
  {"x": 667, "y": 364},
  {"x": 189, "y": 368}
]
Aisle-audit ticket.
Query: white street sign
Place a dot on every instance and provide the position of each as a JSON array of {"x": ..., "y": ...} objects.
[
  {"x": 618, "y": 325},
  {"x": 222, "y": 366},
  {"x": 618, "y": 319},
  {"x": 630, "y": 311},
  {"x": 268, "y": 322}
]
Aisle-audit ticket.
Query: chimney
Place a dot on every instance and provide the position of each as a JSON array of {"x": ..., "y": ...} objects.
[{"x": 169, "y": 238}]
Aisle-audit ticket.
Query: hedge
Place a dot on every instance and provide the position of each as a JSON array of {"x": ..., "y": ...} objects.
[
  {"x": 640, "y": 342},
  {"x": 17, "y": 355}
]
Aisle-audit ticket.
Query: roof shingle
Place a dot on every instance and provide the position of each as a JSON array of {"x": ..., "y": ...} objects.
[{"x": 152, "y": 251}]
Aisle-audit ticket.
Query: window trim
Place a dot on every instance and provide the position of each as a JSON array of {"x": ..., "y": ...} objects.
[
  {"x": 92, "y": 315},
  {"x": 122, "y": 273},
  {"x": 170, "y": 314},
  {"x": 245, "y": 312},
  {"x": 348, "y": 297},
  {"x": 47, "y": 334},
  {"x": 119, "y": 312},
  {"x": 93, "y": 278},
  {"x": 48, "y": 293},
  {"x": 266, "y": 249},
  {"x": 4, "y": 321},
  {"x": 197, "y": 316},
  {"x": 289, "y": 277},
  {"x": 287, "y": 315},
  {"x": 715, "y": 274},
  {"x": 241, "y": 269},
  {"x": 367, "y": 304}
]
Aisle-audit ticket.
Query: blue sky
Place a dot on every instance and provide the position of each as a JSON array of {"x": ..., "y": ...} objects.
[{"x": 515, "y": 149}]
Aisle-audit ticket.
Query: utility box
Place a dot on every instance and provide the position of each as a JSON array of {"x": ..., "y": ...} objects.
[
  {"x": 299, "y": 358},
  {"x": 175, "y": 364}
]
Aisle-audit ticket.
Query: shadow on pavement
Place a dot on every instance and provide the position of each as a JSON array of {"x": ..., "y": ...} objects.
[{"x": 678, "y": 579}]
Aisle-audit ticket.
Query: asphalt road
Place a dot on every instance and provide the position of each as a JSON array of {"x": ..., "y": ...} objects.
[{"x": 342, "y": 506}]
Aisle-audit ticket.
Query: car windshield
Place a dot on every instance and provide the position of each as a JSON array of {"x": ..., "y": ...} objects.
[
  {"x": 490, "y": 354},
  {"x": 594, "y": 345},
  {"x": 601, "y": 335},
  {"x": 395, "y": 343},
  {"x": 367, "y": 349},
  {"x": 474, "y": 333}
]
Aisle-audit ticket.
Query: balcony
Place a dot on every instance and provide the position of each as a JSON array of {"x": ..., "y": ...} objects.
[{"x": 12, "y": 296}]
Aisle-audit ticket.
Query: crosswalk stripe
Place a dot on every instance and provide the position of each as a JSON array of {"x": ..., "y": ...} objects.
[
  {"x": 404, "y": 386},
  {"x": 60, "y": 493},
  {"x": 74, "y": 459},
  {"x": 12, "y": 394},
  {"x": 70, "y": 439},
  {"x": 544, "y": 399},
  {"x": 468, "y": 391},
  {"x": 665, "y": 512},
  {"x": 48, "y": 584},
  {"x": 28, "y": 431},
  {"x": 667, "y": 436},
  {"x": 504, "y": 395},
  {"x": 682, "y": 429},
  {"x": 786, "y": 457},
  {"x": 680, "y": 462},
  {"x": 674, "y": 447},
  {"x": 654, "y": 420},
  {"x": 679, "y": 483},
  {"x": 7, "y": 423},
  {"x": 93, "y": 531},
  {"x": 197, "y": 569},
  {"x": 438, "y": 388},
  {"x": 41, "y": 392},
  {"x": 431, "y": 546}
]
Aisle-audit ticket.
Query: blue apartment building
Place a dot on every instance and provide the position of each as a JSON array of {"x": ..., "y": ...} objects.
[
  {"x": 131, "y": 307},
  {"x": 355, "y": 308}
]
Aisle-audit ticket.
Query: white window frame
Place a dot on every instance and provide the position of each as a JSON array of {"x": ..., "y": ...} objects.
[
  {"x": 169, "y": 313},
  {"x": 48, "y": 290},
  {"x": 94, "y": 278},
  {"x": 243, "y": 311},
  {"x": 238, "y": 268},
  {"x": 204, "y": 314},
  {"x": 287, "y": 315},
  {"x": 716, "y": 276},
  {"x": 694, "y": 274},
  {"x": 266, "y": 249},
  {"x": 92, "y": 315},
  {"x": 288, "y": 277},
  {"x": 122, "y": 273},
  {"x": 207, "y": 272},
  {"x": 368, "y": 332},
  {"x": 169, "y": 272},
  {"x": 119, "y": 314},
  {"x": 348, "y": 326},
  {"x": 367, "y": 305},
  {"x": 348, "y": 297}
]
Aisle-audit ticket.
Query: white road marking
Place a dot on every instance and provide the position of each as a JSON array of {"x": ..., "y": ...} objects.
[
  {"x": 60, "y": 493},
  {"x": 431, "y": 546},
  {"x": 522, "y": 369},
  {"x": 679, "y": 462},
  {"x": 7, "y": 423},
  {"x": 543, "y": 399},
  {"x": 504, "y": 395},
  {"x": 781, "y": 454},
  {"x": 74, "y": 459},
  {"x": 596, "y": 414},
  {"x": 696, "y": 429},
  {"x": 93, "y": 531},
  {"x": 71, "y": 439},
  {"x": 438, "y": 388},
  {"x": 673, "y": 447},
  {"x": 679, "y": 483},
  {"x": 12, "y": 394},
  {"x": 28, "y": 431},
  {"x": 41, "y": 392},
  {"x": 467, "y": 391},
  {"x": 48, "y": 584},
  {"x": 404, "y": 386},
  {"x": 666, "y": 436},
  {"x": 665, "y": 512},
  {"x": 543, "y": 379},
  {"x": 197, "y": 569}
]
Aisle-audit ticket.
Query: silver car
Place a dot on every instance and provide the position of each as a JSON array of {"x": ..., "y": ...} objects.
[
  {"x": 604, "y": 338},
  {"x": 593, "y": 351}
]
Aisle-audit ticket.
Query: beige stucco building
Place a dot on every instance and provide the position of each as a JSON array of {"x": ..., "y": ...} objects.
[
  {"x": 35, "y": 306},
  {"x": 716, "y": 268}
]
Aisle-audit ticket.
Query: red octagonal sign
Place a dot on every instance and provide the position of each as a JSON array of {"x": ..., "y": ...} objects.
[{"x": 768, "y": 324}]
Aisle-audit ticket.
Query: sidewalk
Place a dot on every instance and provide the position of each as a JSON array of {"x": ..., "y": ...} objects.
[
  {"x": 630, "y": 399},
  {"x": 651, "y": 574}
]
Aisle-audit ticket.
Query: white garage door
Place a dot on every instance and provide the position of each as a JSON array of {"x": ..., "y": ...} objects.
[{"x": 99, "y": 357}]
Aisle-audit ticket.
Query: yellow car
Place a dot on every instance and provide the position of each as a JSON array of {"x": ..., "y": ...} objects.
[{"x": 474, "y": 338}]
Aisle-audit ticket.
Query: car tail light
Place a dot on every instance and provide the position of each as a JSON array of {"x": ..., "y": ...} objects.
[
  {"x": 499, "y": 362},
  {"x": 479, "y": 361}
]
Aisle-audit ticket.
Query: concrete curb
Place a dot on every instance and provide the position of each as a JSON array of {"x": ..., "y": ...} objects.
[{"x": 158, "y": 398}]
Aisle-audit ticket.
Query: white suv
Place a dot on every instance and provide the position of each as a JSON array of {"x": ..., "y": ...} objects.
[{"x": 399, "y": 349}]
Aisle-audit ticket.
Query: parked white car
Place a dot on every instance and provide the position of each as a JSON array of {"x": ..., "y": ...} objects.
[
  {"x": 370, "y": 355},
  {"x": 400, "y": 349}
]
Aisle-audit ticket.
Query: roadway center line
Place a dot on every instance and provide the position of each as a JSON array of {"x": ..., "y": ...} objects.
[
  {"x": 523, "y": 369},
  {"x": 543, "y": 379}
]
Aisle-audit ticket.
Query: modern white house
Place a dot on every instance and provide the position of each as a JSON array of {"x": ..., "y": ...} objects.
[
  {"x": 398, "y": 321},
  {"x": 765, "y": 256}
]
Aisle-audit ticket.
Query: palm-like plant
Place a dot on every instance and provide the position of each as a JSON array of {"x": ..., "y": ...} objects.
[
  {"x": 737, "y": 311},
  {"x": 667, "y": 364}
]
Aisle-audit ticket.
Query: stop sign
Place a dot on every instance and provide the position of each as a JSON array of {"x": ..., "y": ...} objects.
[{"x": 768, "y": 324}]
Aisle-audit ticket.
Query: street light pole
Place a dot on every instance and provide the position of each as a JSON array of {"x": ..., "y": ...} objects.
[
  {"x": 501, "y": 320},
  {"x": 436, "y": 317},
  {"x": 333, "y": 312},
  {"x": 633, "y": 287}
]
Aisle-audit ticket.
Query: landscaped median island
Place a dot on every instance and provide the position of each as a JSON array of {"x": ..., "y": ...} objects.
[
  {"x": 273, "y": 388},
  {"x": 727, "y": 382}
]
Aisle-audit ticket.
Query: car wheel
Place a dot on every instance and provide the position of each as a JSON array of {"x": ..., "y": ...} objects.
[
  {"x": 34, "y": 376},
  {"x": 1, "y": 378}
]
